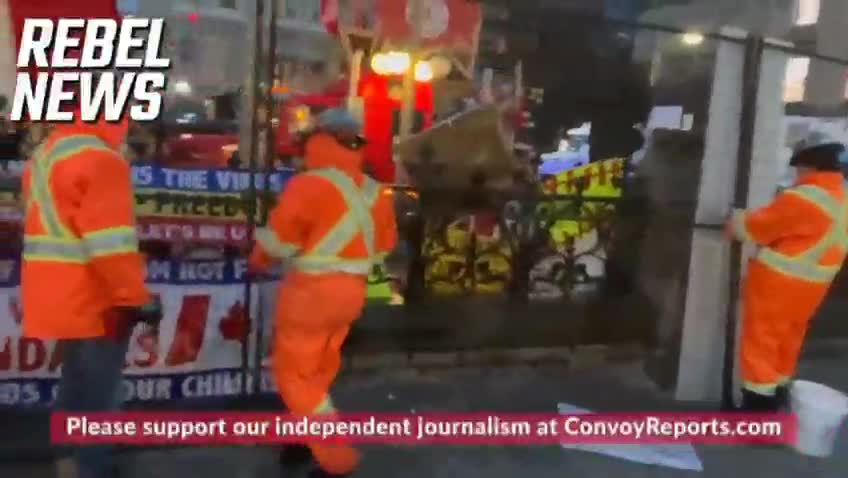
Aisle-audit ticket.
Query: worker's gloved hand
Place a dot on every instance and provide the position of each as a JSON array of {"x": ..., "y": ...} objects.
[{"x": 149, "y": 314}]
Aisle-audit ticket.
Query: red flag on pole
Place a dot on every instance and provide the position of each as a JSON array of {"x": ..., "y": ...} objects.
[
  {"x": 445, "y": 23},
  {"x": 330, "y": 16}
]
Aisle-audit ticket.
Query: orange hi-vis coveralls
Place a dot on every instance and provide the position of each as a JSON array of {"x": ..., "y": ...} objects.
[
  {"x": 802, "y": 237},
  {"x": 330, "y": 225},
  {"x": 81, "y": 254}
]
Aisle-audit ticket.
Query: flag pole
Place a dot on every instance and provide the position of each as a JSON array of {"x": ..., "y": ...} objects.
[
  {"x": 253, "y": 153},
  {"x": 407, "y": 114}
]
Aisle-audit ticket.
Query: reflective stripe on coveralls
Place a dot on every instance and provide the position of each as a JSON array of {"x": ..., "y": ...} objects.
[
  {"x": 805, "y": 266},
  {"x": 324, "y": 255},
  {"x": 274, "y": 246},
  {"x": 325, "y": 407},
  {"x": 60, "y": 244},
  {"x": 766, "y": 388}
]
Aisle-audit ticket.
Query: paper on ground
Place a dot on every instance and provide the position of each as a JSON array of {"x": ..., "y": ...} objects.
[{"x": 682, "y": 457}]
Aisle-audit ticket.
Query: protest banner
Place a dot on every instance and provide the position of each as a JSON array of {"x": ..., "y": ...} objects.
[
  {"x": 204, "y": 205},
  {"x": 197, "y": 352}
]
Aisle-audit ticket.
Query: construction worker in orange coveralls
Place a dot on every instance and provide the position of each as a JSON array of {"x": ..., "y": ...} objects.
[
  {"x": 802, "y": 238},
  {"x": 330, "y": 225},
  {"x": 82, "y": 279}
]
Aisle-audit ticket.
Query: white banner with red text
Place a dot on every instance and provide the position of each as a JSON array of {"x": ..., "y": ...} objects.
[{"x": 198, "y": 351}]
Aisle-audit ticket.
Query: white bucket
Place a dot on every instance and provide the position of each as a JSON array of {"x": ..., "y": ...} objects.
[{"x": 820, "y": 411}]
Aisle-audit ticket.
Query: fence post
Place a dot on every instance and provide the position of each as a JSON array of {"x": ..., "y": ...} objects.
[
  {"x": 697, "y": 354},
  {"x": 747, "y": 122},
  {"x": 251, "y": 195}
]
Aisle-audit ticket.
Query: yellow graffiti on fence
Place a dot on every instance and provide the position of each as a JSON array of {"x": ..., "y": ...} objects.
[{"x": 600, "y": 180}]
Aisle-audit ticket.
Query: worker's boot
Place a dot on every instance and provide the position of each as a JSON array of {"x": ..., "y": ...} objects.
[
  {"x": 782, "y": 398},
  {"x": 319, "y": 472},
  {"x": 295, "y": 456},
  {"x": 756, "y": 403}
]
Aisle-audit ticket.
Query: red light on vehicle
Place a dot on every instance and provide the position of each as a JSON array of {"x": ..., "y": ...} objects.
[{"x": 193, "y": 17}]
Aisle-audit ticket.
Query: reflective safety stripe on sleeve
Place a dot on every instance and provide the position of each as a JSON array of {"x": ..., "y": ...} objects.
[
  {"x": 103, "y": 243},
  {"x": 273, "y": 245},
  {"x": 111, "y": 241},
  {"x": 46, "y": 248},
  {"x": 806, "y": 266},
  {"x": 325, "y": 407},
  {"x": 760, "y": 388}
]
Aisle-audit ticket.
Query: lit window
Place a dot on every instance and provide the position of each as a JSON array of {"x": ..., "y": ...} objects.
[
  {"x": 796, "y": 76},
  {"x": 808, "y": 12}
]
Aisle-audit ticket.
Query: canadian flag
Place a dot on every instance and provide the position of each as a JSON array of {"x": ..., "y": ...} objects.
[{"x": 330, "y": 15}]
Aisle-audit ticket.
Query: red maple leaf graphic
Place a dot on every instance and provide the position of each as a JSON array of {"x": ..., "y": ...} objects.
[{"x": 235, "y": 324}]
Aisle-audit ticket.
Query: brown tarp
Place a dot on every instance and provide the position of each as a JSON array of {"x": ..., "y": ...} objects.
[{"x": 468, "y": 150}]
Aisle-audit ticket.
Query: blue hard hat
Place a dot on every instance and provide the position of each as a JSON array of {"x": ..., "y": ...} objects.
[
  {"x": 338, "y": 120},
  {"x": 338, "y": 123}
]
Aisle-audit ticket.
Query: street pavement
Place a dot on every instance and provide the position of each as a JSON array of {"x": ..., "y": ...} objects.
[{"x": 621, "y": 387}]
